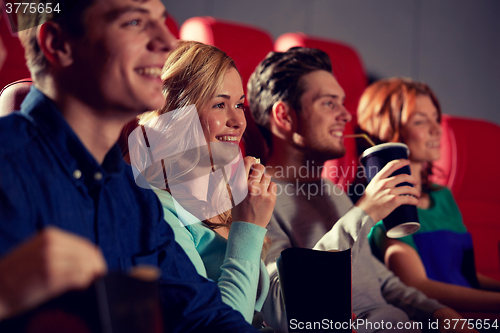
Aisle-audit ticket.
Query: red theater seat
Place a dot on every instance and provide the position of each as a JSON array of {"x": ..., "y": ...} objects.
[
  {"x": 468, "y": 165},
  {"x": 172, "y": 26},
  {"x": 14, "y": 67},
  {"x": 247, "y": 46},
  {"x": 349, "y": 71},
  {"x": 12, "y": 95}
]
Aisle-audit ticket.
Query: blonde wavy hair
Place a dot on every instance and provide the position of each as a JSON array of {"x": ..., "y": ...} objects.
[{"x": 192, "y": 75}]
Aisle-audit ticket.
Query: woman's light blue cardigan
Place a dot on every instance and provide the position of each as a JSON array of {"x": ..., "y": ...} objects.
[{"x": 234, "y": 264}]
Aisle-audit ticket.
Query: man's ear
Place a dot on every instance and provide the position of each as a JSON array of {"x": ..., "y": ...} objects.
[
  {"x": 283, "y": 116},
  {"x": 54, "y": 44}
]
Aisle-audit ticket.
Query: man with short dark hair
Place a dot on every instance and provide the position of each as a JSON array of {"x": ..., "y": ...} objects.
[
  {"x": 298, "y": 105},
  {"x": 69, "y": 206}
]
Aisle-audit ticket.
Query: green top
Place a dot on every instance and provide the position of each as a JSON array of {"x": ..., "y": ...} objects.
[
  {"x": 442, "y": 214},
  {"x": 443, "y": 243},
  {"x": 234, "y": 263}
]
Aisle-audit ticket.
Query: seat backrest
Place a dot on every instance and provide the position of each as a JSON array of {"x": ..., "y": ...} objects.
[
  {"x": 172, "y": 26},
  {"x": 350, "y": 73},
  {"x": 12, "y": 95},
  {"x": 247, "y": 45},
  {"x": 14, "y": 67},
  {"x": 469, "y": 167}
]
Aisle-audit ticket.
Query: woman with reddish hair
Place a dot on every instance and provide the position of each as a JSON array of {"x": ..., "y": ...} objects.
[{"x": 438, "y": 259}]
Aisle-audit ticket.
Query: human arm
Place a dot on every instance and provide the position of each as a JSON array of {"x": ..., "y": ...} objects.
[
  {"x": 283, "y": 236},
  {"x": 487, "y": 283},
  {"x": 273, "y": 308},
  {"x": 241, "y": 268},
  {"x": 412, "y": 301},
  {"x": 191, "y": 303},
  {"x": 343, "y": 235},
  {"x": 237, "y": 275},
  {"x": 45, "y": 266},
  {"x": 37, "y": 263},
  {"x": 380, "y": 198},
  {"x": 258, "y": 205},
  {"x": 239, "y": 271},
  {"x": 416, "y": 305},
  {"x": 405, "y": 262}
]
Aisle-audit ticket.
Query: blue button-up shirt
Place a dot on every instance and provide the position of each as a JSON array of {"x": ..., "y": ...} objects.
[{"x": 47, "y": 177}]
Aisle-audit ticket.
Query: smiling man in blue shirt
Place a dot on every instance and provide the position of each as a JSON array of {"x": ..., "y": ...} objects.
[{"x": 69, "y": 206}]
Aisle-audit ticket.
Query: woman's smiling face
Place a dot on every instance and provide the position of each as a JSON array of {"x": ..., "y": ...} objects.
[
  {"x": 223, "y": 118},
  {"x": 422, "y": 132}
]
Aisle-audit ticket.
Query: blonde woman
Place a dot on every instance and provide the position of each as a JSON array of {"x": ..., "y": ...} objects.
[{"x": 196, "y": 136}]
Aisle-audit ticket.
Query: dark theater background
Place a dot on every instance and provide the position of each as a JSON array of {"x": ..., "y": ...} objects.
[{"x": 453, "y": 45}]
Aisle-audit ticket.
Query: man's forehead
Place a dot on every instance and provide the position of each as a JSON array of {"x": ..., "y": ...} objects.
[
  {"x": 322, "y": 83},
  {"x": 110, "y": 9}
]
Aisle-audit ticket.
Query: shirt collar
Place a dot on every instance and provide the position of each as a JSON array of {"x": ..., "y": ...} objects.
[{"x": 64, "y": 143}]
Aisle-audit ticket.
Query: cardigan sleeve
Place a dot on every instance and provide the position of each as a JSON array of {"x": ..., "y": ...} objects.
[{"x": 240, "y": 269}]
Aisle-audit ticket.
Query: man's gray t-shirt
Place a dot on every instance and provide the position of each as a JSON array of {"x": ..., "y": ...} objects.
[{"x": 320, "y": 215}]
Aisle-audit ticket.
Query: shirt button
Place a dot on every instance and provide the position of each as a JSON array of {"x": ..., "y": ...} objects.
[
  {"x": 77, "y": 174},
  {"x": 97, "y": 176}
]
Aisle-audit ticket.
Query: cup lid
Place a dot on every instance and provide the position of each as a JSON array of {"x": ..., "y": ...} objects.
[
  {"x": 403, "y": 229},
  {"x": 383, "y": 146}
]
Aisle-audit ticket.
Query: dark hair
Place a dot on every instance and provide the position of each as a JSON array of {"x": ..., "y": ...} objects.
[
  {"x": 70, "y": 19},
  {"x": 278, "y": 78}
]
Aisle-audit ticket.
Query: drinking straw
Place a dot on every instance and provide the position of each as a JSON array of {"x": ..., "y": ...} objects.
[{"x": 363, "y": 135}]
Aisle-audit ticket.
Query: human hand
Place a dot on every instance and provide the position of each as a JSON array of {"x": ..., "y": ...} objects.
[
  {"x": 47, "y": 265},
  {"x": 265, "y": 247},
  {"x": 451, "y": 321},
  {"x": 382, "y": 196},
  {"x": 258, "y": 206}
]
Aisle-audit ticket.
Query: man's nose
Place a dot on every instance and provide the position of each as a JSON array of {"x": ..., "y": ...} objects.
[
  {"x": 163, "y": 40},
  {"x": 344, "y": 115}
]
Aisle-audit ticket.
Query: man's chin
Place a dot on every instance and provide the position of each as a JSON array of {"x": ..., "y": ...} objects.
[
  {"x": 155, "y": 102},
  {"x": 335, "y": 155},
  {"x": 322, "y": 156}
]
